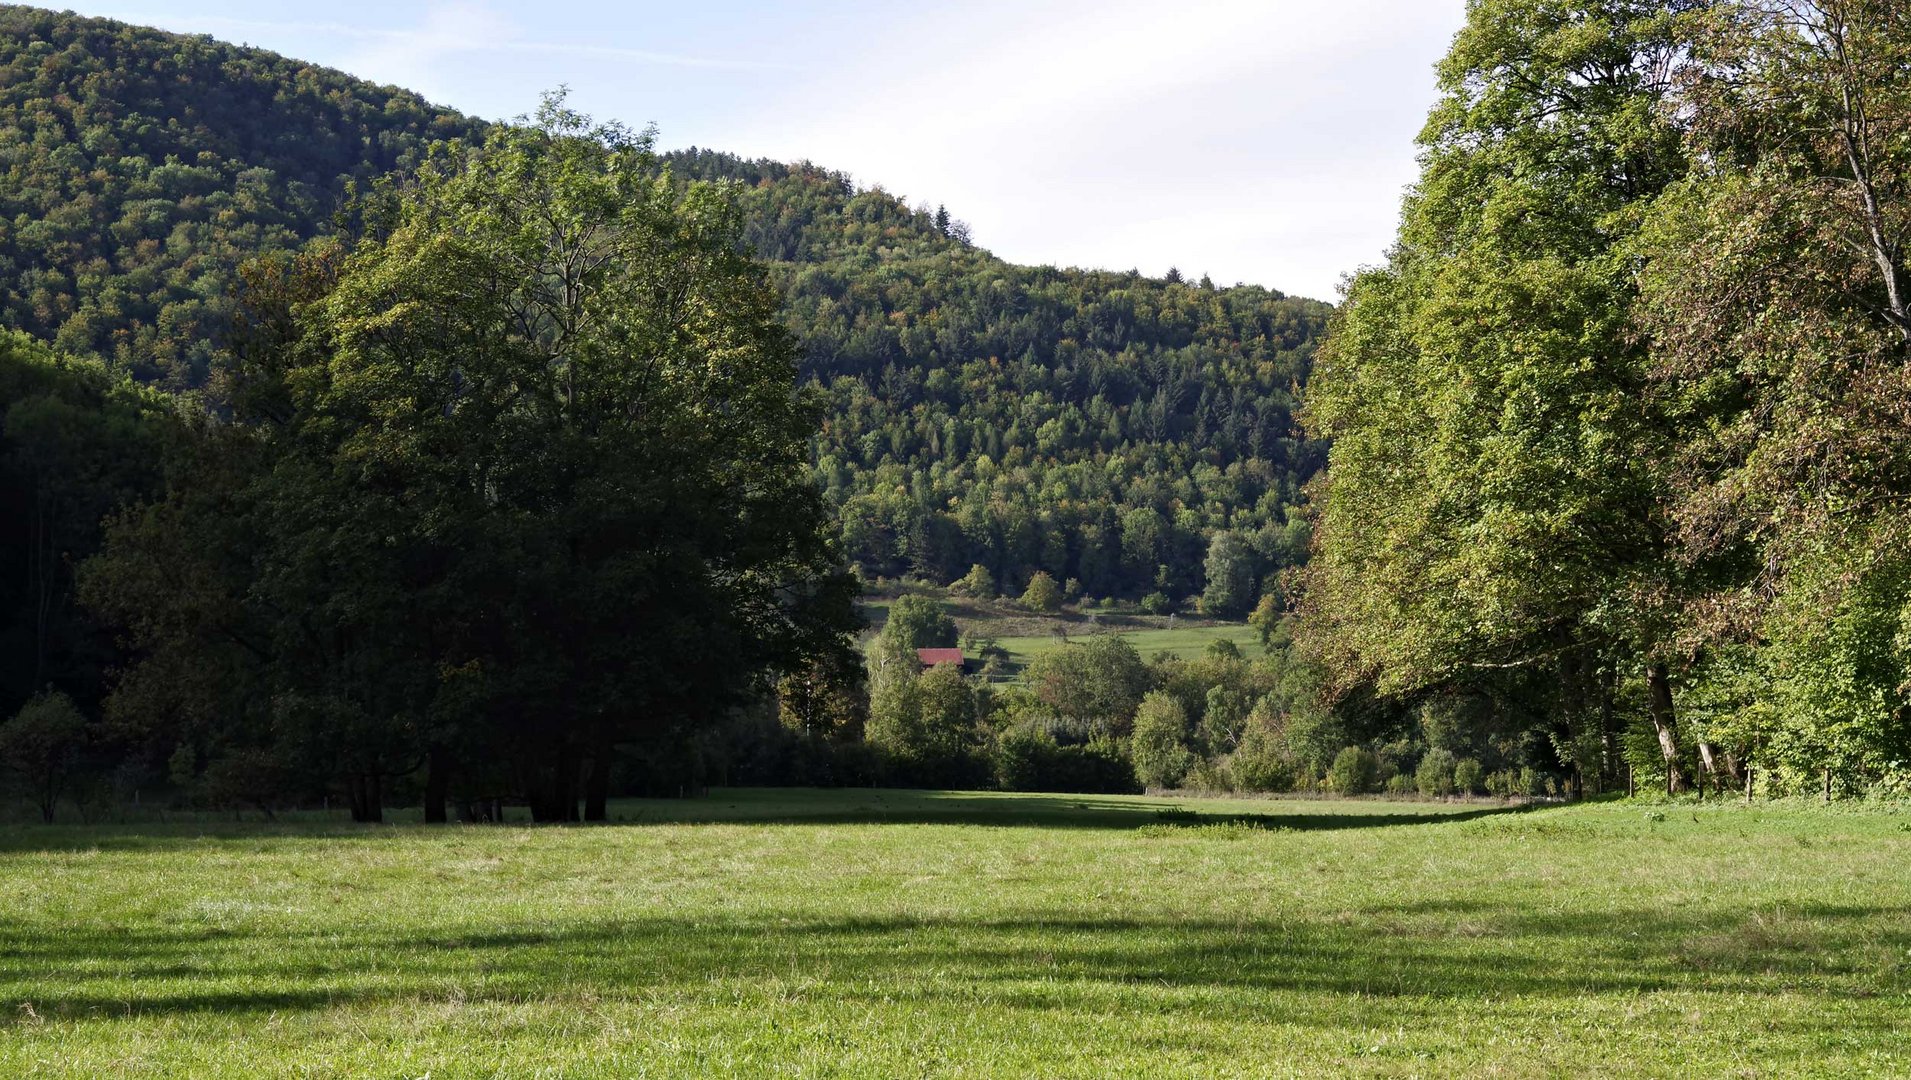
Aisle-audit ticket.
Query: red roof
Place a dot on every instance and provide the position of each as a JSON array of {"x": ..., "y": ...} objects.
[{"x": 932, "y": 657}]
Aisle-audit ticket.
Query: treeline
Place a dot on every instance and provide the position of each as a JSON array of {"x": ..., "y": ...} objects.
[
  {"x": 504, "y": 498},
  {"x": 1093, "y": 715},
  {"x": 1620, "y": 448}
]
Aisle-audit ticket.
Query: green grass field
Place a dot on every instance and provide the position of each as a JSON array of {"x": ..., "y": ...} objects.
[
  {"x": 1181, "y": 641},
  {"x": 889, "y": 934},
  {"x": 1025, "y": 635}
]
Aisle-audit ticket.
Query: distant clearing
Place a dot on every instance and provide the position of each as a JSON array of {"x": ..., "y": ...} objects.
[
  {"x": 1024, "y": 635},
  {"x": 1180, "y": 641}
]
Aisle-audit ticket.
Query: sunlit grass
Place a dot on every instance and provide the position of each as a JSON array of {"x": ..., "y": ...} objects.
[
  {"x": 1185, "y": 642},
  {"x": 899, "y": 934}
]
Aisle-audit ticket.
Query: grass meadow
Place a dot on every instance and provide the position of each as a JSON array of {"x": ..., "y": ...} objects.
[
  {"x": 1185, "y": 642},
  {"x": 1025, "y": 635},
  {"x": 898, "y": 934}
]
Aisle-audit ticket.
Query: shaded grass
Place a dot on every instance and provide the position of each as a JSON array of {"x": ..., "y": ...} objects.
[{"x": 898, "y": 933}]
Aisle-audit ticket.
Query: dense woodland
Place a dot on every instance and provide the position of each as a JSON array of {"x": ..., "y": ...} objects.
[
  {"x": 1614, "y": 444},
  {"x": 1100, "y": 427}
]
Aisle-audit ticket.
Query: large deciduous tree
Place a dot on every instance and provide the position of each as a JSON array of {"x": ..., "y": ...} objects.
[
  {"x": 1490, "y": 504},
  {"x": 531, "y": 481},
  {"x": 1775, "y": 286}
]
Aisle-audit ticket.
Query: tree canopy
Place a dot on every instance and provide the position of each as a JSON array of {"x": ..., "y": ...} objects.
[
  {"x": 1618, "y": 426},
  {"x": 513, "y": 482}
]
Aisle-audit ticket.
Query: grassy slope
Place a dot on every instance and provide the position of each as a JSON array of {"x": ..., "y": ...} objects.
[
  {"x": 1182, "y": 641},
  {"x": 890, "y": 934},
  {"x": 1026, "y": 635}
]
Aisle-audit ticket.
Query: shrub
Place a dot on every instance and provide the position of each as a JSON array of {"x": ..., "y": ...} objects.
[
  {"x": 978, "y": 582},
  {"x": 1434, "y": 777},
  {"x": 1259, "y": 765},
  {"x": 1157, "y": 603},
  {"x": 1042, "y": 593},
  {"x": 1399, "y": 784},
  {"x": 1353, "y": 771},
  {"x": 1467, "y": 775},
  {"x": 1385, "y": 773},
  {"x": 1030, "y": 760},
  {"x": 1208, "y": 776},
  {"x": 42, "y": 743},
  {"x": 1266, "y": 617},
  {"x": 1530, "y": 783},
  {"x": 1099, "y": 683},
  {"x": 1222, "y": 649},
  {"x": 1159, "y": 748},
  {"x": 918, "y": 622},
  {"x": 928, "y": 730}
]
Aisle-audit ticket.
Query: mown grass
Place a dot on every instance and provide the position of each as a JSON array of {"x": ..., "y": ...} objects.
[{"x": 891, "y": 934}]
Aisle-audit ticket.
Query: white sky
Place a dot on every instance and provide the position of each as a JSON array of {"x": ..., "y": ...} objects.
[{"x": 1262, "y": 141}]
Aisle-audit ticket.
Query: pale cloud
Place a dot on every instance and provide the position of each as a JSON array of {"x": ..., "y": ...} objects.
[
  {"x": 416, "y": 56},
  {"x": 1265, "y": 142}
]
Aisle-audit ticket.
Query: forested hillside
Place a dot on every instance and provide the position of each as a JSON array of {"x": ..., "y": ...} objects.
[
  {"x": 143, "y": 167},
  {"x": 1100, "y": 426}
]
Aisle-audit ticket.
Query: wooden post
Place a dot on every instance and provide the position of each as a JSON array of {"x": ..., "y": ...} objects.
[
  {"x": 1748, "y": 783},
  {"x": 1631, "y": 787},
  {"x": 1827, "y": 785}
]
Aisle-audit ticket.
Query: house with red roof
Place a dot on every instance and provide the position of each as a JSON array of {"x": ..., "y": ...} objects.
[{"x": 929, "y": 658}]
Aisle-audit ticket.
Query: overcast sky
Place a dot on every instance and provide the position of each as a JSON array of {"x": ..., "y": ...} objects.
[{"x": 1253, "y": 140}]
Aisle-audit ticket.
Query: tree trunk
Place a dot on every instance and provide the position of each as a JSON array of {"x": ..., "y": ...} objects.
[
  {"x": 1721, "y": 766},
  {"x": 543, "y": 801},
  {"x": 1608, "y": 750},
  {"x": 437, "y": 782},
  {"x": 355, "y": 796},
  {"x": 568, "y": 762},
  {"x": 1659, "y": 705},
  {"x": 556, "y": 796},
  {"x": 375, "y": 798},
  {"x": 597, "y": 786}
]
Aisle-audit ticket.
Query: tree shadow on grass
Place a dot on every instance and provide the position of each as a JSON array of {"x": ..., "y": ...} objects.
[
  {"x": 1422, "y": 955},
  {"x": 789, "y": 807},
  {"x": 904, "y": 807}
]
